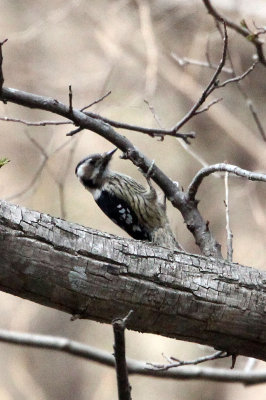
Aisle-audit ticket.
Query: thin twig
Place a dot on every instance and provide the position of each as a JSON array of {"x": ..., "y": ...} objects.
[
  {"x": 204, "y": 109},
  {"x": 182, "y": 61},
  {"x": 74, "y": 131},
  {"x": 228, "y": 229},
  {"x": 239, "y": 77},
  {"x": 222, "y": 167},
  {"x": 209, "y": 89},
  {"x": 70, "y": 97},
  {"x": 180, "y": 363},
  {"x": 213, "y": 84},
  {"x": 37, "y": 123},
  {"x": 244, "y": 93},
  {"x": 1, "y": 62},
  {"x": 149, "y": 131},
  {"x": 124, "y": 388},
  {"x": 96, "y": 101}
]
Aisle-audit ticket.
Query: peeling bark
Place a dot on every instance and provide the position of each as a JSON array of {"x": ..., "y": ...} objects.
[{"x": 101, "y": 277}]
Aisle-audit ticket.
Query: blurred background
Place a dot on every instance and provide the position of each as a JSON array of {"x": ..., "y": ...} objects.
[{"x": 130, "y": 48}]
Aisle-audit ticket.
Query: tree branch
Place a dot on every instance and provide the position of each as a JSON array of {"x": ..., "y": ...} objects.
[
  {"x": 232, "y": 169},
  {"x": 175, "y": 362},
  {"x": 243, "y": 31},
  {"x": 99, "y": 276},
  {"x": 135, "y": 367},
  {"x": 124, "y": 388}
]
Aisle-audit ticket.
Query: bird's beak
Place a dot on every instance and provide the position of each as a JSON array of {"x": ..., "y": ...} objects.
[{"x": 109, "y": 154}]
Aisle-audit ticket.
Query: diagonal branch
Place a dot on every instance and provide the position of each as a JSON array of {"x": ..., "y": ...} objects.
[
  {"x": 209, "y": 88},
  {"x": 243, "y": 31}
]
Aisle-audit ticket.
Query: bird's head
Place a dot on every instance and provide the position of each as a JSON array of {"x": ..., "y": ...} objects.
[{"x": 91, "y": 170}]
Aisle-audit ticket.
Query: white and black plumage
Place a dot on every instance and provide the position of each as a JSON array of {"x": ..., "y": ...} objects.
[{"x": 126, "y": 202}]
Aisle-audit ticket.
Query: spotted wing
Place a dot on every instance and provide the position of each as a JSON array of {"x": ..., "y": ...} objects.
[{"x": 122, "y": 214}]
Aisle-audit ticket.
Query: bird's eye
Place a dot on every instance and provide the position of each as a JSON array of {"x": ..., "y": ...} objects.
[{"x": 92, "y": 162}]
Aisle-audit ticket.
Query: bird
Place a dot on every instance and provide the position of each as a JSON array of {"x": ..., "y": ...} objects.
[{"x": 134, "y": 208}]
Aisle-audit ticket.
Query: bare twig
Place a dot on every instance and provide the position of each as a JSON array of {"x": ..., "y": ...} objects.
[
  {"x": 209, "y": 89},
  {"x": 135, "y": 367},
  {"x": 149, "y": 131},
  {"x": 215, "y": 101},
  {"x": 257, "y": 42},
  {"x": 37, "y": 123},
  {"x": 70, "y": 97},
  {"x": 244, "y": 93},
  {"x": 228, "y": 229},
  {"x": 175, "y": 362},
  {"x": 238, "y": 78},
  {"x": 74, "y": 131},
  {"x": 213, "y": 84},
  {"x": 96, "y": 101},
  {"x": 124, "y": 388},
  {"x": 1, "y": 62},
  {"x": 231, "y": 169},
  {"x": 182, "y": 61}
]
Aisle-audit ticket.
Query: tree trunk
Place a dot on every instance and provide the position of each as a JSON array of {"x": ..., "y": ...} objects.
[{"x": 101, "y": 277}]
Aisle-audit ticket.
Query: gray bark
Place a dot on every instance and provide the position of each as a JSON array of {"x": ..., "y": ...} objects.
[{"x": 101, "y": 277}]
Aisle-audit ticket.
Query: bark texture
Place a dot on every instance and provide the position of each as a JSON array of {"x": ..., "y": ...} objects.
[{"x": 102, "y": 277}]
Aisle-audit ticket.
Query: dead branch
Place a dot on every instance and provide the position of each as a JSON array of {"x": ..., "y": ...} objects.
[
  {"x": 231, "y": 169},
  {"x": 183, "y": 61},
  {"x": 96, "y": 101},
  {"x": 124, "y": 388},
  {"x": 33, "y": 123},
  {"x": 77, "y": 349},
  {"x": 176, "y": 363},
  {"x": 84, "y": 272}
]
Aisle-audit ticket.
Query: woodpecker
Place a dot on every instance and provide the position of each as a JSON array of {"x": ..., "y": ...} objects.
[{"x": 126, "y": 202}]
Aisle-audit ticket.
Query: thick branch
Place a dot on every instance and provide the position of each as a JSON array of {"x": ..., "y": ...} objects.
[{"x": 101, "y": 277}]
